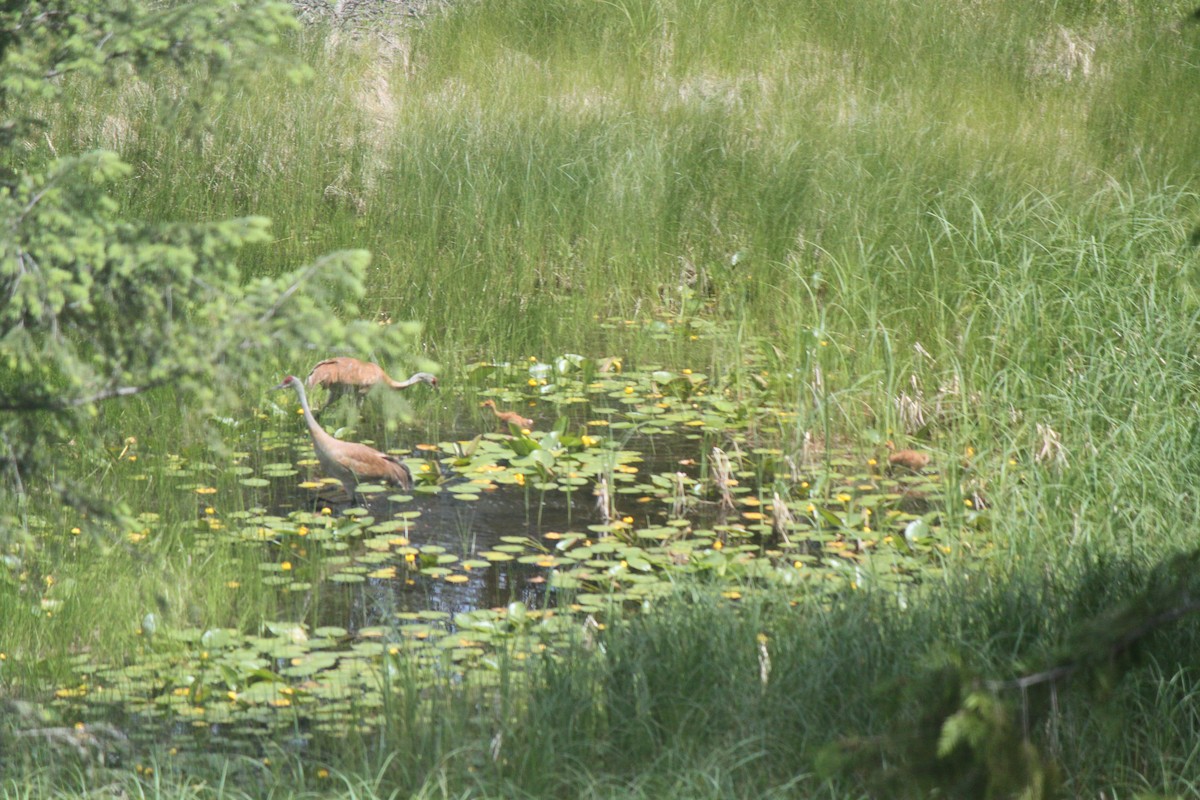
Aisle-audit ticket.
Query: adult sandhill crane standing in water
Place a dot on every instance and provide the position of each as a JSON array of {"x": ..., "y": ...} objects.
[
  {"x": 345, "y": 374},
  {"x": 349, "y": 462},
  {"x": 511, "y": 417}
]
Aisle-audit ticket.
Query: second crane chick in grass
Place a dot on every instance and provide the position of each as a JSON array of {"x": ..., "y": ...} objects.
[
  {"x": 349, "y": 462},
  {"x": 908, "y": 460}
]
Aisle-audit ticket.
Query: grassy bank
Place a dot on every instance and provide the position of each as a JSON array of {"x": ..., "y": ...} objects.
[
  {"x": 767, "y": 698},
  {"x": 959, "y": 226}
]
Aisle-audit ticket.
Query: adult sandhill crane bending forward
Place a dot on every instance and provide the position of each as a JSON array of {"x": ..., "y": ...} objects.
[
  {"x": 344, "y": 374},
  {"x": 349, "y": 462}
]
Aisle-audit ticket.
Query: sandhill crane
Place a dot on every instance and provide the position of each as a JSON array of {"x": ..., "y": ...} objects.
[
  {"x": 345, "y": 374},
  {"x": 511, "y": 417},
  {"x": 349, "y": 462},
  {"x": 911, "y": 460}
]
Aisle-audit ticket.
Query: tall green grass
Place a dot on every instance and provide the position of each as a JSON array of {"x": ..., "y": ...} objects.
[
  {"x": 544, "y": 164},
  {"x": 706, "y": 698}
]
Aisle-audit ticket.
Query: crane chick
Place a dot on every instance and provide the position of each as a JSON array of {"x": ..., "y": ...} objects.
[
  {"x": 511, "y": 417},
  {"x": 908, "y": 460}
]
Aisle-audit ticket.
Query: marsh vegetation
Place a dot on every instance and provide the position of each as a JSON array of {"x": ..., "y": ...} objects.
[{"x": 726, "y": 258}]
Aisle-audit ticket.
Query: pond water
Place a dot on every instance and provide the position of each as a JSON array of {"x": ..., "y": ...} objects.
[{"x": 511, "y": 543}]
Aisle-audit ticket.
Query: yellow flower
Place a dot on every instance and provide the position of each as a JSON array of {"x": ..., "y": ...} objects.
[
  {"x": 206, "y": 490},
  {"x": 325, "y": 511},
  {"x": 686, "y": 371},
  {"x": 717, "y": 545},
  {"x": 322, "y": 773},
  {"x": 519, "y": 478},
  {"x": 532, "y": 382},
  {"x": 627, "y": 520},
  {"x": 285, "y": 566},
  {"x": 209, "y": 510},
  {"x": 75, "y": 531}
]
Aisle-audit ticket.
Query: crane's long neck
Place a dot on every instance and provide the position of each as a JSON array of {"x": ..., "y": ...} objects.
[
  {"x": 314, "y": 427},
  {"x": 404, "y": 384}
]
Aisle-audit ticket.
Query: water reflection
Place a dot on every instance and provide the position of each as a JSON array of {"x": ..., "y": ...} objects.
[{"x": 464, "y": 529}]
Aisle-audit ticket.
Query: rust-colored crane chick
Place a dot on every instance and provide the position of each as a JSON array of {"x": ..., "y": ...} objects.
[
  {"x": 349, "y": 462},
  {"x": 911, "y": 460},
  {"x": 511, "y": 417}
]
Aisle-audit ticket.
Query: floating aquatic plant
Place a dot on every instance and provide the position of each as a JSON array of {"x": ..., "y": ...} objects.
[{"x": 492, "y": 554}]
